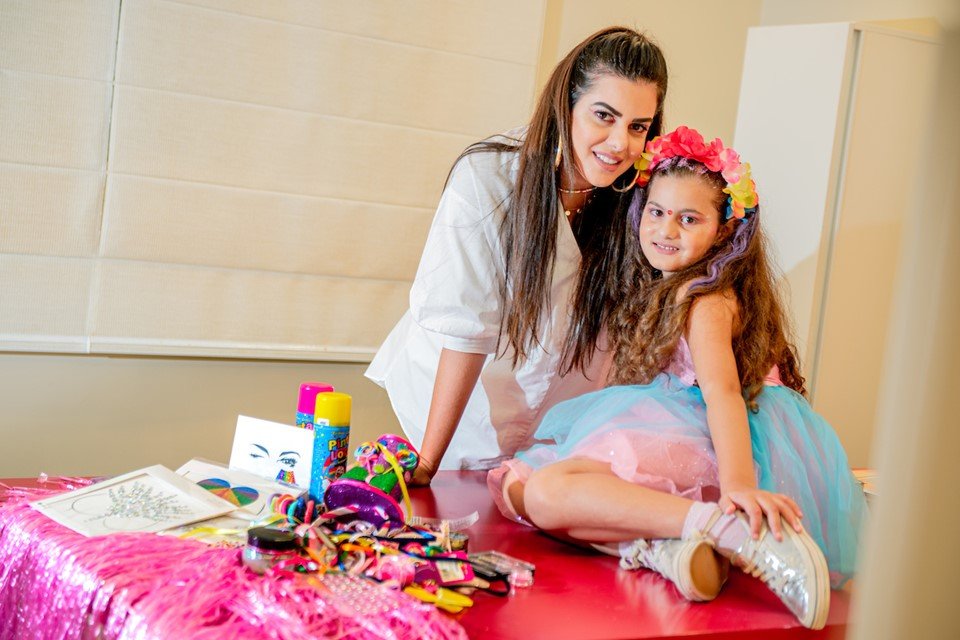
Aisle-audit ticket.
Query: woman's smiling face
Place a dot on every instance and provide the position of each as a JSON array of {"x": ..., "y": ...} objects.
[{"x": 608, "y": 130}]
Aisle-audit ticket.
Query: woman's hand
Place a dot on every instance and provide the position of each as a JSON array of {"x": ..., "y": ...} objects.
[
  {"x": 757, "y": 504},
  {"x": 423, "y": 474}
]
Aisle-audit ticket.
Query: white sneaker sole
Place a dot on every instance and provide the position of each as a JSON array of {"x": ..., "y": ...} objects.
[{"x": 817, "y": 617}]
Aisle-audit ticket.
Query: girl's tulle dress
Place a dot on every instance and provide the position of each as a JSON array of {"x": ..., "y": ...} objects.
[{"x": 656, "y": 435}]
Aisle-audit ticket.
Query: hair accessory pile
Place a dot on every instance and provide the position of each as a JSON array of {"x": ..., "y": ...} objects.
[{"x": 689, "y": 143}]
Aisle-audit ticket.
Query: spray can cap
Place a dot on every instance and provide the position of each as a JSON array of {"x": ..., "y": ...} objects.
[
  {"x": 308, "y": 395},
  {"x": 333, "y": 409}
]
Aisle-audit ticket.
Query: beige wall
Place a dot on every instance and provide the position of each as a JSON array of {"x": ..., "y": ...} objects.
[
  {"x": 823, "y": 112},
  {"x": 222, "y": 178},
  {"x": 947, "y": 12},
  {"x": 63, "y": 414},
  {"x": 237, "y": 179}
]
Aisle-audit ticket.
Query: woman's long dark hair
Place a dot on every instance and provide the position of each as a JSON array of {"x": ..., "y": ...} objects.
[{"x": 529, "y": 229}]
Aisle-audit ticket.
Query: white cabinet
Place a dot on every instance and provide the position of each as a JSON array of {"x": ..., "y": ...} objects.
[{"x": 831, "y": 118}]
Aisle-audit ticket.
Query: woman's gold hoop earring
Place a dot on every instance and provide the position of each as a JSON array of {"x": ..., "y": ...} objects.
[
  {"x": 556, "y": 161},
  {"x": 629, "y": 186}
]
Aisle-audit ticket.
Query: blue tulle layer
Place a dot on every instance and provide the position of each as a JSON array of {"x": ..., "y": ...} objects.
[{"x": 657, "y": 435}]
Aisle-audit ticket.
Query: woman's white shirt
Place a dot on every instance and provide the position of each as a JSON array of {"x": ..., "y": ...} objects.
[{"x": 455, "y": 304}]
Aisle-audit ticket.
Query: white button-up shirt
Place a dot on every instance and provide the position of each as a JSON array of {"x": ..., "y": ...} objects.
[{"x": 455, "y": 304}]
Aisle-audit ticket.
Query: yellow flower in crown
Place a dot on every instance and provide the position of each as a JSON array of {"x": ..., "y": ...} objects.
[
  {"x": 642, "y": 165},
  {"x": 743, "y": 194}
]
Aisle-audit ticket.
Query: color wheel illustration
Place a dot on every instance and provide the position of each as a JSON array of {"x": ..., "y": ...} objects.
[{"x": 240, "y": 496}]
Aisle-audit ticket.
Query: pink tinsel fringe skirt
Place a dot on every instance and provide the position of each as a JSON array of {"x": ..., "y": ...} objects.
[{"x": 55, "y": 583}]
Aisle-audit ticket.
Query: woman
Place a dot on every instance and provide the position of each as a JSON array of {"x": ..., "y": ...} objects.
[{"x": 522, "y": 265}]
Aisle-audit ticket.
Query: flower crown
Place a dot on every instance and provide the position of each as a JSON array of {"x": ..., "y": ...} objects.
[{"x": 688, "y": 143}]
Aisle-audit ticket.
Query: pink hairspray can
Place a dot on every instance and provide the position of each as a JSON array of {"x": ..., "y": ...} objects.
[{"x": 307, "y": 402}]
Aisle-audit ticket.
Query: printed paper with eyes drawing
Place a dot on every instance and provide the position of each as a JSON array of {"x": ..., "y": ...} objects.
[
  {"x": 150, "y": 499},
  {"x": 273, "y": 450}
]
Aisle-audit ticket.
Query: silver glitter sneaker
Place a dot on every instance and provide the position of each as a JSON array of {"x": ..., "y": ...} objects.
[
  {"x": 692, "y": 565},
  {"x": 794, "y": 569}
]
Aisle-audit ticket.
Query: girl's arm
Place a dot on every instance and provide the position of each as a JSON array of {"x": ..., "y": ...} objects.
[
  {"x": 710, "y": 330},
  {"x": 457, "y": 375}
]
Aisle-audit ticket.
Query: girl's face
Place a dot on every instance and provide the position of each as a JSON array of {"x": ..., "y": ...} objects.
[
  {"x": 679, "y": 223},
  {"x": 608, "y": 129}
]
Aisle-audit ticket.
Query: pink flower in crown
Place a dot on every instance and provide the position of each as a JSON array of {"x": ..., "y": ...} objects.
[
  {"x": 730, "y": 166},
  {"x": 689, "y": 143},
  {"x": 655, "y": 147},
  {"x": 712, "y": 159}
]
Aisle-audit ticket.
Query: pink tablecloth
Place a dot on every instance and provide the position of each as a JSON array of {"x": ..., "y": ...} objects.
[{"x": 55, "y": 583}]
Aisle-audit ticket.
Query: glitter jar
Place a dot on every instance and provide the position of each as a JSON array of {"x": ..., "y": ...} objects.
[{"x": 267, "y": 546}]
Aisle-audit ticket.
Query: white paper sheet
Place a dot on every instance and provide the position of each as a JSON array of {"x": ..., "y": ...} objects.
[
  {"x": 273, "y": 450},
  {"x": 150, "y": 499}
]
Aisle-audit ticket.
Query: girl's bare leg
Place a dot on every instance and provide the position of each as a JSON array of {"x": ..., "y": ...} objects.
[{"x": 585, "y": 500}]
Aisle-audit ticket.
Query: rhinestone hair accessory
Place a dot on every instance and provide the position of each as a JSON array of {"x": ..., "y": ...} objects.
[{"x": 689, "y": 143}]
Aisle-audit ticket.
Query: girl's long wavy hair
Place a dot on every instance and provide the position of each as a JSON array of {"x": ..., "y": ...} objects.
[
  {"x": 529, "y": 229},
  {"x": 647, "y": 327}
]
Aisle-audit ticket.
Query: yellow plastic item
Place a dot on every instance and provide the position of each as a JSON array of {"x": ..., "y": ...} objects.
[
  {"x": 443, "y": 599},
  {"x": 332, "y": 409}
]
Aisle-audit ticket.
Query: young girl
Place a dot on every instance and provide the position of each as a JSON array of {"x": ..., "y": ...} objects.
[
  {"x": 519, "y": 273},
  {"x": 708, "y": 445}
]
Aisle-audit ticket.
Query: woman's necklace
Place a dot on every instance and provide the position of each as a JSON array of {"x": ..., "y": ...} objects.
[
  {"x": 572, "y": 211},
  {"x": 587, "y": 190}
]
